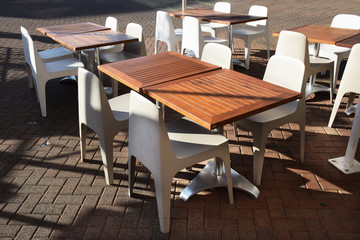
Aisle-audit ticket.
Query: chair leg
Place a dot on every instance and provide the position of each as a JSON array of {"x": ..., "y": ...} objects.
[
  {"x": 332, "y": 86},
  {"x": 258, "y": 155},
  {"x": 106, "y": 147},
  {"x": 163, "y": 192},
  {"x": 82, "y": 133},
  {"x": 156, "y": 43},
  {"x": 42, "y": 97},
  {"x": 351, "y": 99},
  {"x": 302, "y": 139},
  {"x": 131, "y": 174},
  {"x": 268, "y": 46},
  {"x": 336, "y": 105},
  {"x": 29, "y": 73}
]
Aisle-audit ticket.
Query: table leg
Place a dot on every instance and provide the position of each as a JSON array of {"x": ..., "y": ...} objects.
[
  {"x": 347, "y": 164},
  {"x": 213, "y": 175}
]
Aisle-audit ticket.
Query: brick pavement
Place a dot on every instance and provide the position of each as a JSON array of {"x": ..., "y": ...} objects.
[{"x": 46, "y": 193}]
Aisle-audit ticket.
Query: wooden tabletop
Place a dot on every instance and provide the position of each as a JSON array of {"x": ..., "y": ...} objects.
[
  {"x": 217, "y": 17},
  {"x": 324, "y": 34},
  {"x": 216, "y": 98},
  {"x": 54, "y": 31},
  {"x": 87, "y": 40},
  {"x": 146, "y": 71},
  {"x": 349, "y": 42}
]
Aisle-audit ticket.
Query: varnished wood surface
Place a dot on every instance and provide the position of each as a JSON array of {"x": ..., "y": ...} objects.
[
  {"x": 219, "y": 97},
  {"x": 87, "y": 40},
  {"x": 54, "y": 31},
  {"x": 323, "y": 34},
  {"x": 146, "y": 71},
  {"x": 349, "y": 42},
  {"x": 217, "y": 17}
]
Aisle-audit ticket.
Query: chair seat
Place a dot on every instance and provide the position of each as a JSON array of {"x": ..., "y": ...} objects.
[
  {"x": 273, "y": 114},
  {"x": 248, "y": 30},
  {"x": 327, "y": 48},
  {"x": 120, "y": 107},
  {"x": 54, "y": 54},
  {"x": 213, "y": 25},
  {"x": 188, "y": 138},
  {"x": 208, "y": 39},
  {"x": 63, "y": 65},
  {"x": 116, "y": 56}
]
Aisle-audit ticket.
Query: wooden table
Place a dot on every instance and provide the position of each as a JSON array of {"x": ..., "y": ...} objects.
[
  {"x": 229, "y": 19},
  {"x": 223, "y": 96},
  {"x": 53, "y": 31},
  {"x": 87, "y": 35},
  {"x": 323, "y": 34},
  {"x": 349, "y": 42},
  {"x": 208, "y": 95},
  {"x": 212, "y": 100},
  {"x": 142, "y": 72}
]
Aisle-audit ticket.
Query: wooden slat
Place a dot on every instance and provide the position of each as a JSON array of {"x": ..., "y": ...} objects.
[
  {"x": 323, "y": 34},
  {"x": 219, "y": 97},
  {"x": 87, "y": 40},
  {"x": 146, "y": 71},
  {"x": 217, "y": 17},
  {"x": 54, "y": 31},
  {"x": 349, "y": 42}
]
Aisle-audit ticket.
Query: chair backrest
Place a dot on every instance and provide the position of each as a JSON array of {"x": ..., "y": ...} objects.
[
  {"x": 111, "y": 22},
  {"x": 32, "y": 55},
  {"x": 94, "y": 108},
  {"x": 286, "y": 72},
  {"x": 350, "y": 78},
  {"x": 346, "y": 21},
  {"x": 260, "y": 11},
  {"x": 164, "y": 30},
  {"x": 148, "y": 138},
  {"x": 192, "y": 38},
  {"x": 224, "y": 7},
  {"x": 292, "y": 44},
  {"x": 217, "y": 54},
  {"x": 135, "y": 48}
]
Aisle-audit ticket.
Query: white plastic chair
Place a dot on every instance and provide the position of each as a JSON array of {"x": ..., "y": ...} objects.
[
  {"x": 47, "y": 55},
  {"x": 215, "y": 28},
  {"x": 44, "y": 71},
  {"x": 193, "y": 39},
  {"x": 105, "y": 117},
  {"x": 130, "y": 50},
  {"x": 293, "y": 44},
  {"x": 333, "y": 52},
  {"x": 111, "y": 23},
  {"x": 253, "y": 30},
  {"x": 165, "y": 32},
  {"x": 350, "y": 80},
  {"x": 166, "y": 149},
  {"x": 286, "y": 72},
  {"x": 217, "y": 54}
]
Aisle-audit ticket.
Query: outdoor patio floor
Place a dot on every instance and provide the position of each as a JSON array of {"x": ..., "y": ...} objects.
[{"x": 47, "y": 193}]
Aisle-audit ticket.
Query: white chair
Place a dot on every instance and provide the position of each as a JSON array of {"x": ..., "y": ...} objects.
[
  {"x": 47, "y": 55},
  {"x": 333, "y": 52},
  {"x": 215, "y": 28},
  {"x": 286, "y": 72},
  {"x": 253, "y": 30},
  {"x": 44, "y": 71},
  {"x": 165, "y": 149},
  {"x": 217, "y": 54},
  {"x": 165, "y": 32},
  {"x": 293, "y": 44},
  {"x": 105, "y": 117},
  {"x": 350, "y": 80},
  {"x": 89, "y": 54},
  {"x": 130, "y": 50},
  {"x": 193, "y": 39}
]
